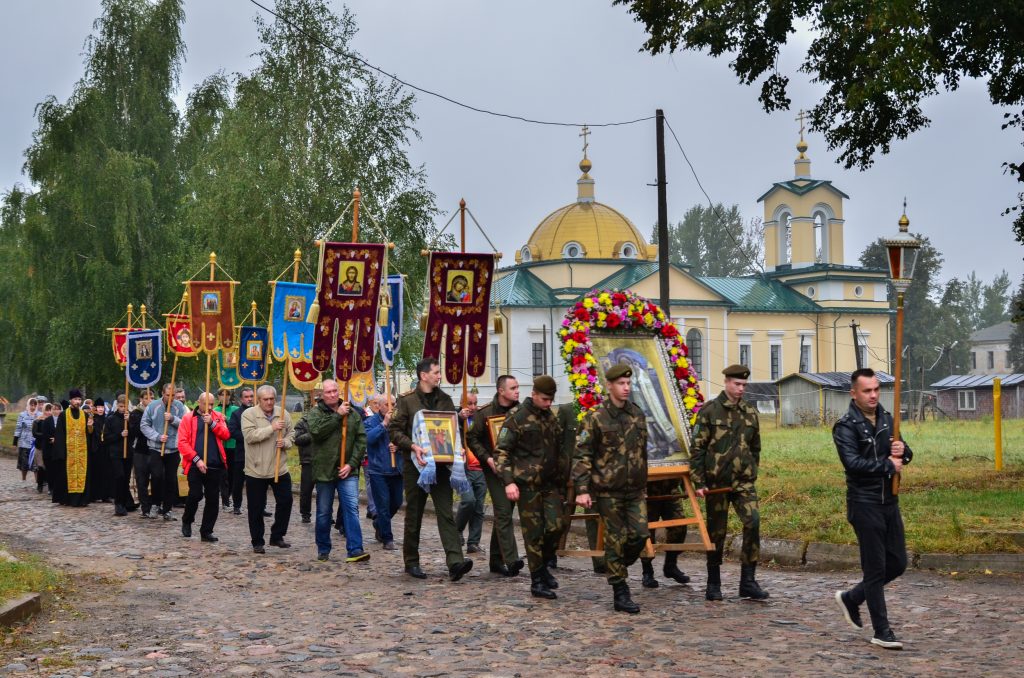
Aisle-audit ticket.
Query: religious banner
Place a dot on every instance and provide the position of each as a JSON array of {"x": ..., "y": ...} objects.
[
  {"x": 253, "y": 357},
  {"x": 288, "y": 327},
  {"x": 303, "y": 375},
  {"x": 389, "y": 335},
  {"x": 227, "y": 369},
  {"x": 179, "y": 334},
  {"x": 212, "y": 314},
  {"x": 119, "y": 336},
  {"x": 144, "y": 353},
  {"x": 460, "y": 294},
  {"x": 347, "y": 297}
]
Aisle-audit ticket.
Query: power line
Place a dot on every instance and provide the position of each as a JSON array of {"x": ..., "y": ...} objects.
[{"x": 423, "y": 90}]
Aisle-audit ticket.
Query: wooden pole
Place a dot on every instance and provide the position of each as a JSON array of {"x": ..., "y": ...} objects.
[
  {"x": 355, "y": 238},
  {"x": 462, "y": 248},
  {"x": 206, "y": 402},
  {"x": 997, "y": 419},
  {"x": 125, "y": 438},
  {"x": 387, "y": 397},
  {"x": 287, "y": 367},
  {"x": 174, "y": 373},
  {"x": 896, "y": 389}
]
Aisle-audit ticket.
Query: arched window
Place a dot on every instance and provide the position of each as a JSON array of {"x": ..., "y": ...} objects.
[
  {"x": 525, "y": 254},
  {"x": 695, "y": 342},
  {"x": 819, "y": 238},
  {"x": 572, "y": 250},
  {"x": 629, "y": 251}
]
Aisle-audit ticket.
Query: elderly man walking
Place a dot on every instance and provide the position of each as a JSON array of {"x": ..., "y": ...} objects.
[{"x": 268, "y": 436}]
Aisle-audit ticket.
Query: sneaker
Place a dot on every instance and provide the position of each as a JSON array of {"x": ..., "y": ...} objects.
[
  {"x": 168, "y": 516},
  {"x": 389, "y": 546},
  {"x": 850, "y": 612},
  {"x": 887, "y": 640},
  {"x": 323, "y": 557},
  {"x": 358, "y": 556},
  {"x": 259, "y": 549},
  {"x": 305, "y": 519}
]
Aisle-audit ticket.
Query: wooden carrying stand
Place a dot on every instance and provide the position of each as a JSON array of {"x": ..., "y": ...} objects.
[{"x": 653, "y": 474}]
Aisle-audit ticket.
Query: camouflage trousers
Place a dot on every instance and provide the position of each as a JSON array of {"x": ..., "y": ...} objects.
[
  {"x": 625, "y": 533},
  {"x": 667, "y": 509},
  {"x": 743, "y": 498},
  {"x": 542, "y": 520}
]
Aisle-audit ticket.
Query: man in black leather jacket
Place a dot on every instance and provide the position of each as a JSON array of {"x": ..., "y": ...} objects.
[{"x": 863, "y": 438}]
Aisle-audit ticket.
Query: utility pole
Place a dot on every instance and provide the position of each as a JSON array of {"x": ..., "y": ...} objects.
[
  {"x": 856, "y": 344},
  {"x": 663, "y": 244}
]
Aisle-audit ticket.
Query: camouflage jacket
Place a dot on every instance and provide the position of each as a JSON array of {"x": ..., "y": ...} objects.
[
  {"x": 529, "y": 447},
  {"x": 479, "y": 436},
  {"x": 570, "y": 425},
  {"x": 611, "y": 452},
  {"x": 726, "y": 446}
]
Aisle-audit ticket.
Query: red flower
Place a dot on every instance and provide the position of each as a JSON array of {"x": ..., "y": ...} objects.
[
  {"x": 579, "y": 337},
  {"x": 579, "y": 360},
  {"x": 669, "y": 331},
  {"x": 613, "y": 320},
  {"x": 587, "y": 401},
  {"x": 619, "y": 299},
  {"x": 681, "y": 373},
  {"x": 582, "y": 314}
]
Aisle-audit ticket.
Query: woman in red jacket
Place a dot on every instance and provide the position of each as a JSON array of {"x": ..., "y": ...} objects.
[{"x": 201, "y": 439}]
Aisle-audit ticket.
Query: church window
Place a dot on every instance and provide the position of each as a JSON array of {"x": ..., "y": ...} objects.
[
  {"x": 495, "y": 370},
  {"x": 572, "y": 250},
  {"x": 538, "y": 358},
  {"x": 810, "y": 291},
  {"x": 991, "y": 360},
  {"x": 819, "y": 238},
  {"x": 525, "y": 254},
  {"x": 805, "y": 358},
  {"x": 858, "y": 291},
  {"x": 745, "y": 355},
  {"x": 695, "y": 344},
  {"x": 628, "y": 251},
  {"x": 776, "y": 361}
]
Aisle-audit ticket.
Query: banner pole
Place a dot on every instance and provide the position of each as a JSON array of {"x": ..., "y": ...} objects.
[
  {"x": 206, "y": 403},
  {"x": 125, "y": 438},
  {"x": 174, "y": 371},
  {"x": 355, "y": 238},
  {"x": 297, "y": 257}
]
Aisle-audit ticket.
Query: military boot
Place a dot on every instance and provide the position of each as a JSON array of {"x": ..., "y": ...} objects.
[
  {"x": 649, "y": 582},
  {"x": 749, "y": 588},
  {"x": 539, "y": 588},
  {"x": 623, "y": 602},
  {"x": 671, "y": 568},
  {"x": 714, "y": 588},
  {"x": 549, "y": 580}
]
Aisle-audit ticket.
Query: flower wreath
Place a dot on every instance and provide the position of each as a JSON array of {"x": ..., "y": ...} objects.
[{"x": 621, "y": 311}]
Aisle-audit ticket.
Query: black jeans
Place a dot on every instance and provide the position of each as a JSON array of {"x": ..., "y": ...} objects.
[
  {"x": 122, "y": 468},
  {"x": 306, "y": 489},
  {"x": 883, "y": 555},
  {"x": 227, "y": 478},
  {"x": 203, "y": 486},
  {"x": 256, "y": 501},
  {"x": 148, "y": 467},
  {"x": 168, "y": 479}
]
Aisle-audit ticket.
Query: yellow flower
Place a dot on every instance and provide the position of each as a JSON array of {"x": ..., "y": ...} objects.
[
  {"x": 591, "y": 359},
  {"x": 693, "y": 420},
  {"x": 568, "y": 346},
  {"x": 598, "y": 389},
  {"x": 673, "y": 351},
  {"x": 601, "y": 316},
  {"x": 691, "y": 392},
  {"x": 605, "y": 298},
  {"x": 588, "y": 303},
  {"x": 564, "y": 332},
  {"x": 683, "y": 362},
  {"x": 648, "y": 319},
  {"x": 579, "y": 417}
]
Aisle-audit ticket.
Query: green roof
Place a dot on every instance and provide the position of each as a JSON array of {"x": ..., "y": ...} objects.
[
  {"x": 760, "y": 295},
  {"x": 793, "y": 187},
  {"x": 627, "y": 276},
  {"x": 520, "y": 287},
  {"x": 787, "y": 269}
]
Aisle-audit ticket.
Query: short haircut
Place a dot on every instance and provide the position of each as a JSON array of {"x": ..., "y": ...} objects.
[
  {"x": 168, "y": 385},
  {"x": 246, "y": 388},
  {"x": 865, "y": 372},
  {"x": 424, "y": 366},
  {"x": 503, "y": 379},
  {"x": 263, "y": 390}
]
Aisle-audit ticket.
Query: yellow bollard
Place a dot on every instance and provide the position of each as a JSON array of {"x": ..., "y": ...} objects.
[{"x": 997, "y": 419}]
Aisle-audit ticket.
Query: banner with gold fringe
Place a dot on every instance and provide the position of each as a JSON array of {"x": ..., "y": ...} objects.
[
  {"x": 212, "y": 314},
  {"x": 460, "y": 295},
  {"x": 179, "y": 334}
]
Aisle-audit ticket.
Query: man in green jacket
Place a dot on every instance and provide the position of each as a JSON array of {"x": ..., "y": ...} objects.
[
  {"x": 426, "y": 396},
  {"x": 335, "y": 470},
  {"x": 227, "y": 483}
]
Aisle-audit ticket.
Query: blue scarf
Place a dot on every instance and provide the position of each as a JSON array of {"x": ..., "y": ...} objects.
[{"x": 428, "y": 471}]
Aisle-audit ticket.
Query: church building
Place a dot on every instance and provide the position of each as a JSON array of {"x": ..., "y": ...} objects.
[{"x": 795, "y": 317}]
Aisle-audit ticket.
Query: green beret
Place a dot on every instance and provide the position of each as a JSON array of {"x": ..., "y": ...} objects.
[
  {"x": 618, "y": 371},
  {"x": 737, "y": 371},
  {"x": 545, "y": 384}
]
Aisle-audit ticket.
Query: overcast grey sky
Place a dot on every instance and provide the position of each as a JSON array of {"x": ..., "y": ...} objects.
[{"x": 577, "y": 61}]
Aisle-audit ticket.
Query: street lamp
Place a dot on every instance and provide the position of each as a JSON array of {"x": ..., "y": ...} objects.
[{"x": 902, "y": 250}]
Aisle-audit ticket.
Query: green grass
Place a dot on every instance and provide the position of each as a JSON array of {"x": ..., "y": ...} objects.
[
  {"x": 28, "y": 574},
  {"x": 949, "y": 491}
]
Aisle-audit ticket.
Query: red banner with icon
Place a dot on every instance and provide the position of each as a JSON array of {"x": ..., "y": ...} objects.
[{"x": 460, "y": 296}]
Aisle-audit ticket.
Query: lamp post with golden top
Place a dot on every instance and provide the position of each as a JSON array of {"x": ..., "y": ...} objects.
[{"x": 902, "y": 250}]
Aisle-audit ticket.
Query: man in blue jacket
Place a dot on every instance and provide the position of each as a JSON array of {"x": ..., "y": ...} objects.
[
  {"x": 384, "y": 469},
  {"x": 863, "y": 438}
]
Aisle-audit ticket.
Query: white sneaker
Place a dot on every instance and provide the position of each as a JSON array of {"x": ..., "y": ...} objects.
[{"x": 887, "y": 640}]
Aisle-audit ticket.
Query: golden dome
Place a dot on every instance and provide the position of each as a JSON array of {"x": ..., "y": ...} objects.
[{"x": 586, "y": 229}]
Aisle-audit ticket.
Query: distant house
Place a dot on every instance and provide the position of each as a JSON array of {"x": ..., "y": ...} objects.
[
  {"x": 812, "y": 398},
  {"x": 990, "y": 350},
  {"x": 970, "y": 396}
]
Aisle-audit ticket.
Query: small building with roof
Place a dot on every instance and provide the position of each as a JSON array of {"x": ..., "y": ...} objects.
[
  {"x": 970, "y": 396},
  {"x": 990, "y": 349},
  {"x": 813, "y": 399}
]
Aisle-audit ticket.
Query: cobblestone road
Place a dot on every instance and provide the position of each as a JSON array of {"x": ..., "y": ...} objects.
[{"x": 152, "y": 603}]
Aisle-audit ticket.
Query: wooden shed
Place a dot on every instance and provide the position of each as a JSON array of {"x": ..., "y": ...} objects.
[
  {"x": 817, "y": 398},
  {"x": 970, "y": 396}
]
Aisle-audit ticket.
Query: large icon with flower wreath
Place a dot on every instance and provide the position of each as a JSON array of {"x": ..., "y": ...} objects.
[{"x": 609, "y": 327}]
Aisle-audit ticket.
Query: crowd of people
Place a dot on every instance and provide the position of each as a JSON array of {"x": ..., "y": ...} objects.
[{"x": 545, "y": 461}]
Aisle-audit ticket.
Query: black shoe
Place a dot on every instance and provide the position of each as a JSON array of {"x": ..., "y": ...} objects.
[
  {"x": 671, "y": 568},
  {"x": 850, "y": 611},
  {"x": 473, "y": 548},
  {"x": 305, "y": 519},
  {"x": 515, "y": 567},
  {"x": 887, "y": 640},
  {"x": 623, "y": 602},
  {"x": 714, "y": 586},
  {"x": 168, "y": 516},
  {"x": 146, "y": 514},
  {"x": 209, "y": 538},
  {"x": 416, "y": 572},
  {"x": 236, "y": 511},
  {"x": 551, "y": 563},
  {"x": 648, "y": 581},
  {"x": 457, "y": 572},
  {"x": 749, "y": 588},
  {"x": 549, "y": 580},
  {"x": 258, "y": 549},
  {"x": 120, "y": 510},
  {"x": 539, "y": 588},
  {"x": 389, "y": 546},
  {"x": 280, "y": 543},
  {"x": 500, "y": 569},
  {"x": 186, "y": 529},
  {"x": 226, "y": 506},
  {"x": 323, "y": 557}
]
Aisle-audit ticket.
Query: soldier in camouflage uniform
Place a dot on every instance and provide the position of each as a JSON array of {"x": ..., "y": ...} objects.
[
  {"x": 665, "y": 509},
  {"x": 504, "y": 553},
  {"x": 528, "y": 459},
  {"x": 726, "y": 452},
  {"x": 570, "y": 424},
  {"x": 611, "y": 464}
]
